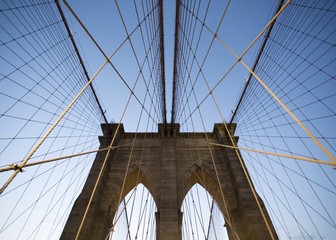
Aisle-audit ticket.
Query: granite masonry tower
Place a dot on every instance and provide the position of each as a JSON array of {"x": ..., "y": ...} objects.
[{"x": 169, "y": 162}]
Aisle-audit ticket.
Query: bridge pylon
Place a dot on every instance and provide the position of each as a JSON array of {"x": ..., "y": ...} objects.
[{"x": 168, "y": 163}]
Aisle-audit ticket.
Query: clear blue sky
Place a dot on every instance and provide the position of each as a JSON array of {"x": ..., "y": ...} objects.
[
  {"x": 299, "y": 66},
  {"x": 241, "y": 25}
]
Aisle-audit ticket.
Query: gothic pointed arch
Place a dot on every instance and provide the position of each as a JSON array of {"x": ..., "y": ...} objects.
[
  {"x": 136, "y": 215},
  {"x": 115, "y": 191},
  {"x": 201, "y": 215},
  {"x": 207, "y": 179}
]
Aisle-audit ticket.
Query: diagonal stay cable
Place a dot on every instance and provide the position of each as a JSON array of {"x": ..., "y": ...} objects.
[
  {"x": 283, "y": 155},
  {"x": 153, "y": 59},
  {"x": 14, "y": 166},
  {"x": 228, "y": 220},
  {"x": 255, "y": 63},
  {"x": 283, "y": 105},
  {"x": 31, "y": 153},
  {"x": 163, "y": 117},
  {"x": 307, "y": 159},
  {"x": 107, "y": 154},
  {"x": 241, "y": 56},
  {"x": 227, "y": 130},
  {"x": 105, "y": 161},
  {"x": 79, "y": 57},
  {"x": 239, "y": 59},
  {"x": 103, "y": 53},
  {"x": 187, "y": 42},
  {"x": 133, "y": 142}
]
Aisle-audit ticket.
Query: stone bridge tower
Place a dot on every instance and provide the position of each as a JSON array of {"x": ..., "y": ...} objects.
[{"x": 168, "y": 170}]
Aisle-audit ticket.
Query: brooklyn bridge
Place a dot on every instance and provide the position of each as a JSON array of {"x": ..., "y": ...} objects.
[{"x": 167, "y": 120}]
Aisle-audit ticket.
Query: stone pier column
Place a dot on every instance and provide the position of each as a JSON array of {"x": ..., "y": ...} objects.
[{"x": 168, "y": 217}]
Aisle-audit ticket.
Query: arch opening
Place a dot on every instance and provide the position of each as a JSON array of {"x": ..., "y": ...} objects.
[
  {"x": 135, "y": 217},
  {"x": 202, "y": 218}
]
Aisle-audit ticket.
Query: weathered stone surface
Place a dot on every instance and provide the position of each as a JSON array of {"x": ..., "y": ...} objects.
[{"x": 168, "y": 163}]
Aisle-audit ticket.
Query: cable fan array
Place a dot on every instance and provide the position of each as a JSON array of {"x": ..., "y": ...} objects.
[{"x": 64, "y": 72}]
